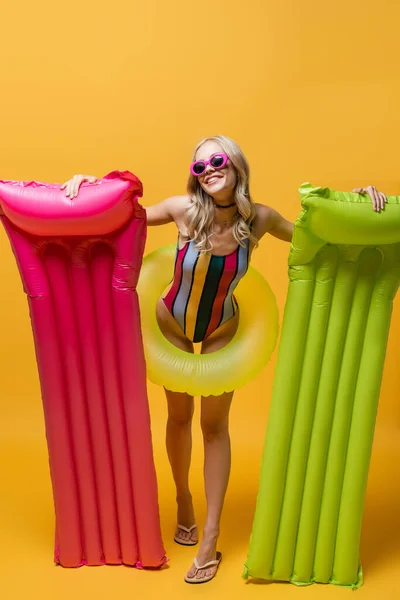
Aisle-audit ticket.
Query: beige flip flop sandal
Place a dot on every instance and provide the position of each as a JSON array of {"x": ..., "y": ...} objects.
[
  {"x": 211, "y": 563},
  {"x": 189, "y": 530}
]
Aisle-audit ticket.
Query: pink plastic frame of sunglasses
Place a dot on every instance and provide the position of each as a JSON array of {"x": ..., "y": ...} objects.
[{"x": 203, "y": 164}]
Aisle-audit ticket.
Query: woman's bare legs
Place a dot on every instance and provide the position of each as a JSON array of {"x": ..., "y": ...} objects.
[
  {"x": 179, "y": 432},
  {"x": 179, "y": 449},
  {"x": 217, "y": 457},
  {"x": 217, "y": 450}
]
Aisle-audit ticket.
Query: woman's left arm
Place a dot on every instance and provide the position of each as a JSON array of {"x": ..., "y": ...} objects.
[{"x": 268, "y": 220}]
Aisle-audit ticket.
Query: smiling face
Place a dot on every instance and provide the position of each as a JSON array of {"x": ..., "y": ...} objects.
[{"x": 217, "y": 183}]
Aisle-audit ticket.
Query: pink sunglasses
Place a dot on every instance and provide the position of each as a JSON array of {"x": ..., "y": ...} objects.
[{"x": 217, "y": 161}]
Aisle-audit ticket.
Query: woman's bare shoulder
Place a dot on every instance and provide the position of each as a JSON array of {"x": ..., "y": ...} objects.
[
  {"x": 181, "y": 199},
  {"x": 179, "y": 204},
  {"x": 263, "y": 215}
]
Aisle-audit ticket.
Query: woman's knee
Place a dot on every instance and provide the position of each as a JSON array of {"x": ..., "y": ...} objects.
[
  {"x": 180, "y": 413},
  {"x": 214, "y": 429}
]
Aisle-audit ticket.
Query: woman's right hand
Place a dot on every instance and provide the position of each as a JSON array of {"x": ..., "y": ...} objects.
[{"x": 72, "y": 186}]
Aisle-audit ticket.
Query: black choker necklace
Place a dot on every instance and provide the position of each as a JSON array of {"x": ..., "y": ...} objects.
[{"x": 223, "y": 206}]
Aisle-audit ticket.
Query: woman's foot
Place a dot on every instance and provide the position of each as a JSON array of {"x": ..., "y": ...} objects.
[
  {"x": 186, "y": 531},
  {"x": 210, "y": 570},
  {"x": 186, "y": 536},
  {"x": 207, "y": 553}
]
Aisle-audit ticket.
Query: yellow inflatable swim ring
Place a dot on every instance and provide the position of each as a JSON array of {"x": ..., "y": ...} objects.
[{"x": 224, "y": 370}]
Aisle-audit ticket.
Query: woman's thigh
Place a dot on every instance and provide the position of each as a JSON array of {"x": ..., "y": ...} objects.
[
  {"x": 170, "y": 328},
  {"x": 221, "y": 336},
  {"x": 215, "y": 409},
  {"x": 180, "y": 405}
]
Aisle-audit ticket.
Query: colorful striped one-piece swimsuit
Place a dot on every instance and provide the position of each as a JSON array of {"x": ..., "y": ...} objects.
[{"x": 200, "y": 297}]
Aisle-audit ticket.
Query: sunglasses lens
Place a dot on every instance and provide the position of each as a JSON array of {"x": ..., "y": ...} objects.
[
  {"x": 199, "y": 168},
  {"x": 217, "y": 161}
]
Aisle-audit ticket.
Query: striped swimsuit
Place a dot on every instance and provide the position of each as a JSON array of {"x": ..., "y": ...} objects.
[{"x": 200, "y": 297}]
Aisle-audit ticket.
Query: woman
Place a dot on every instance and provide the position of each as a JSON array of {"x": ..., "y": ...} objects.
[{"x": 218, "y": 227}]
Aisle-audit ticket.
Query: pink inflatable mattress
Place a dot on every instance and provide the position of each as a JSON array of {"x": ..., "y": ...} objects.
[{"x": 79, "y": 261}]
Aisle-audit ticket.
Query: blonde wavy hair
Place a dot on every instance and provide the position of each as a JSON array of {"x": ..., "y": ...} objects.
[{"x": 200, "y": 214}]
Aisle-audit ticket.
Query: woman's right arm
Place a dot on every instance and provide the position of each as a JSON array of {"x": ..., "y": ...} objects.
[{"x": 168, "y": 211}]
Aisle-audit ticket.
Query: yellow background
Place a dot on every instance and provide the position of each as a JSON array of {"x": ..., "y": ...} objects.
[{"x": 311, "y": 91}]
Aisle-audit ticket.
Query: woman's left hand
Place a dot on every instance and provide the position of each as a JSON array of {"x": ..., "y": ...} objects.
[{"x": 378, "y": 198}]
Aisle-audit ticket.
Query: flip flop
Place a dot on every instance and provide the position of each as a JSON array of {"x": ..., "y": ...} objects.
[
  {"x": 211, "y": 563},
  {"x": 182, "y": 542}
]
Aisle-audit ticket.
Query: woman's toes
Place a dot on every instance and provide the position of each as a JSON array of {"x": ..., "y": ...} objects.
[
  {"x": 192, "y": 572},
  {"x": 200, "y": 574},
  {"x": 182, "y": 535}
]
